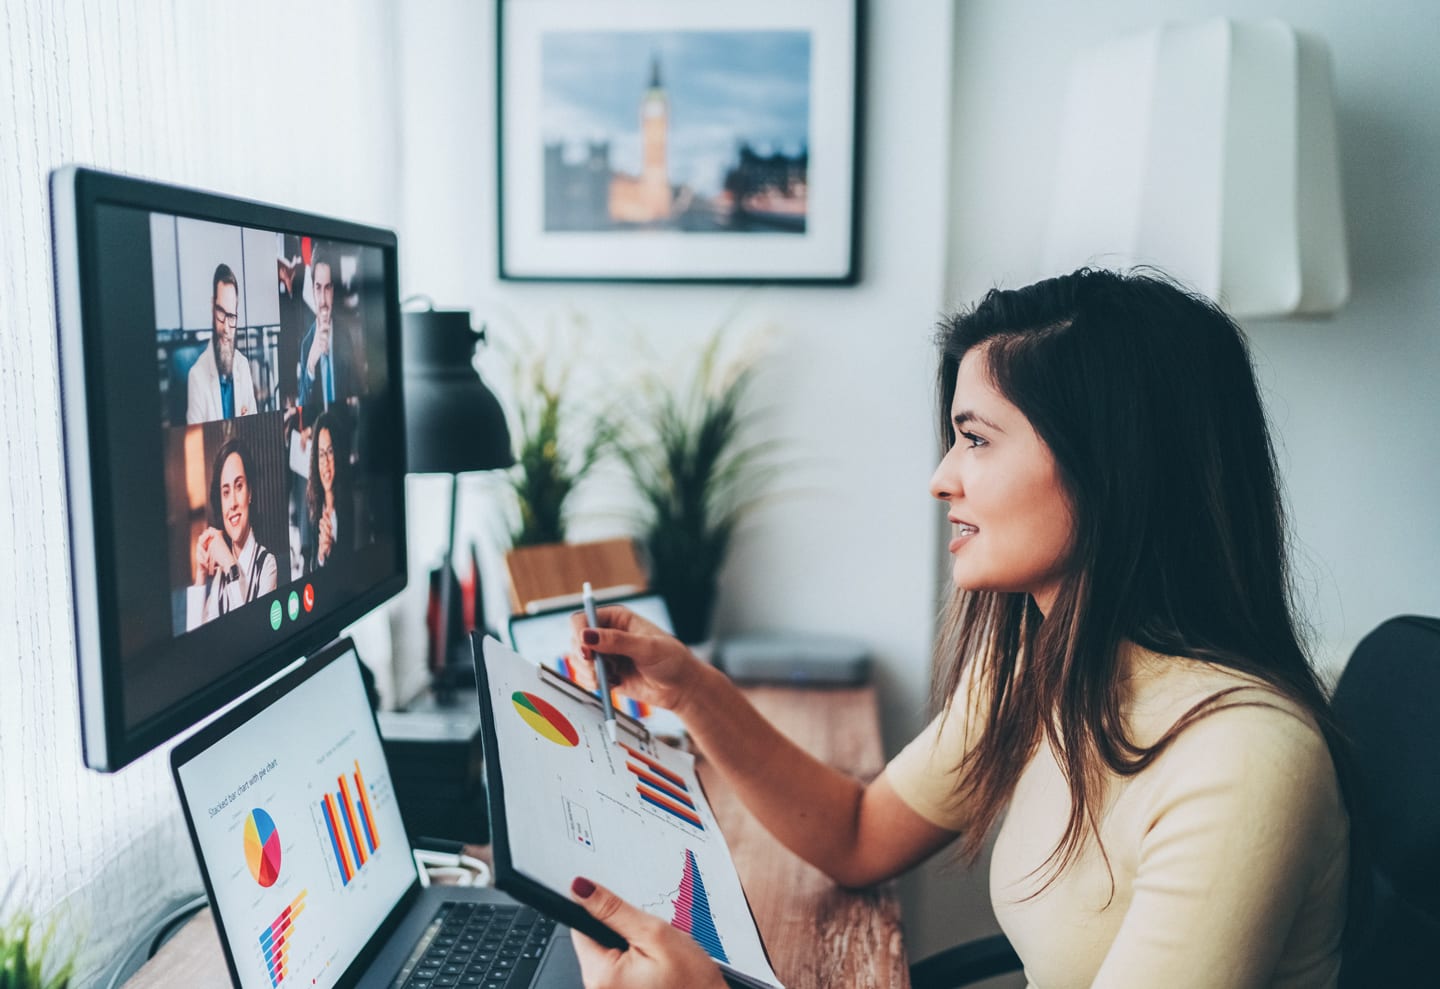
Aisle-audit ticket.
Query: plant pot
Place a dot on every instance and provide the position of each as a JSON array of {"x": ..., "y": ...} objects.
[{"x": 691, "y": 604}]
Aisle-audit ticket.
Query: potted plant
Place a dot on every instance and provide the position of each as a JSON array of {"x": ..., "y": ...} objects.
[
  {"x": 698, "y": 474},
  {"x": 32, "y": 960},
  {"x": 553, "y": 453}
]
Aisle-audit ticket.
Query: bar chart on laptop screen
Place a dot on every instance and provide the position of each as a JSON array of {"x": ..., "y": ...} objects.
[
  {"x": 275, "y": 940},
  {"x": 345, "y": 817}
]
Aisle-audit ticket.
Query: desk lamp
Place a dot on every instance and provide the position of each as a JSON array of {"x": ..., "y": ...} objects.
[{"x": 453, "y": 424}]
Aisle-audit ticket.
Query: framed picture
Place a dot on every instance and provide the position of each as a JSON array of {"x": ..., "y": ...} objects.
[{"x": 678, "y": 140}]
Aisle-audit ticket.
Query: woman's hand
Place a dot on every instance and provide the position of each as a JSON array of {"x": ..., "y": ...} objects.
[
  {"x": 643, "y": 661},
  {"x": 212, "y": 553},
  {"x": 322, "y": 553},
  {"x": 659, "y": 956}
]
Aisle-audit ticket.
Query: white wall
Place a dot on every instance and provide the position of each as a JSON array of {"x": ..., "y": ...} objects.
[{"x": 232, "y": 98}]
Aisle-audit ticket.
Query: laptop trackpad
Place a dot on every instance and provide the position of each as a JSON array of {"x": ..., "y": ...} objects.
[{"x": 560, "y": 968}]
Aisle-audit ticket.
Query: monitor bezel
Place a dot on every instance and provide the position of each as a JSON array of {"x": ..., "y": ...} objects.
[{"x": 107, "y": 744}]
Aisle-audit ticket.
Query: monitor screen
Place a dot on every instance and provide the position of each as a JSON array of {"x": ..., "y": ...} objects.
[{"x": 234, "y": 444}]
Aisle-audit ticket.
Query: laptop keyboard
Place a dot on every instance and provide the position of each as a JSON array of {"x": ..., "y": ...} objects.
[{"x": 478, "y": 944}]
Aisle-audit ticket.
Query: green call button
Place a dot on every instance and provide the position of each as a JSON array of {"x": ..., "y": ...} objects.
[{"x": 294, "y": 605}]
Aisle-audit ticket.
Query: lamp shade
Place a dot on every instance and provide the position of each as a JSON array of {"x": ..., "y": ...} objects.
[
  {"x": 1207, "y": 148},
  {"x": 453, "y": 423}
]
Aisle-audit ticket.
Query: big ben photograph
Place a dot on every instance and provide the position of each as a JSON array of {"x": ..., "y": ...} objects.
[{"x": 680, "y": 140}]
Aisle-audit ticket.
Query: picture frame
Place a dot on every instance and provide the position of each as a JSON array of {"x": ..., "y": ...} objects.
[{"x": 683, "y": 142}]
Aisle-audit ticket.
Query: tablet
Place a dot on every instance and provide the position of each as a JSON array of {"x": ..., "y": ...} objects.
[{"x": 566, "y": 802}]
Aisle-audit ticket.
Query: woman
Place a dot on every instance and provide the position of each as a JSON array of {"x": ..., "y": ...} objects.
[
  {"x": 1124, "y": 694},
  {"x": 227, "y": 554},
  {"x": 328, "y": 531}
]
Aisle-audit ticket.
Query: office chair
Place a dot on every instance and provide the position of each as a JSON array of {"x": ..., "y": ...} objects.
[
  {"x": 965, "y": 964},
  {"x": 1388, "y": 705}
]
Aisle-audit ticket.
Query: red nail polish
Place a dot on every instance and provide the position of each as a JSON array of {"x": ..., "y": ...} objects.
[
  {"x": 591, "y": 637},
  {"x": 582, "y": 887}
]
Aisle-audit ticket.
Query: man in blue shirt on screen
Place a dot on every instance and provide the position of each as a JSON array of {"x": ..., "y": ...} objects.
[{"x": 324, "y": 373}]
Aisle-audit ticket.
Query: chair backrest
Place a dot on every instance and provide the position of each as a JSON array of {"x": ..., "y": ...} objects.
[{"x": 1388, "y": 705}]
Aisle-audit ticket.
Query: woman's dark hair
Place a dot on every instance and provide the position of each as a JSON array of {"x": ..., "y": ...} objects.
[
  {"x": 314, "y": 490},
  {"x": 217, "y": 466},
  {"x": 1146, "y": 397}
]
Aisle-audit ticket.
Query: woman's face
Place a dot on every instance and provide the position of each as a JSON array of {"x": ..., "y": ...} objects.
[
  {"x": 235, "y": 498},
  {"x": 1011, "y": 525},
  {"x": 325, "y": 457}
]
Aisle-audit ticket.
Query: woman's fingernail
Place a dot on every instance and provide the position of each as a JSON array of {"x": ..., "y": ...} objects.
[
  {"x": 582, "y": 887},
  {"x": 591, "y": 637}
]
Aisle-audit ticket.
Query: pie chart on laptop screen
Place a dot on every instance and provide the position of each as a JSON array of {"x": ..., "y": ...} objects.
[
  {"x": 262, "y": 847},
  {"x": 544, "y": 719}
]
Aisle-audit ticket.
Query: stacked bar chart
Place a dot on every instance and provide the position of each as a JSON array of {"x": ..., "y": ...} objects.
[
  {"x": 692, "y": 911},
  {"x": 275, "y": 940},
  {"x": 350, "y": 823},
  {"x": 660, "y": 788}
]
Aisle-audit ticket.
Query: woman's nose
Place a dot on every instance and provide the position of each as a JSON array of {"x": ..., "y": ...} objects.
[{"x": 945, "y": 482}]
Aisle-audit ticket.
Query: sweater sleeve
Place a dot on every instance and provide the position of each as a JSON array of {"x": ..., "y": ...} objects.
[
  {"x": 1243, "y": 817},
  {"x": 925, "y": 774}
]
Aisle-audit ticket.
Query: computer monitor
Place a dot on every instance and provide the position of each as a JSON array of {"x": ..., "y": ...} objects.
[{"x": 234, "y": 444}]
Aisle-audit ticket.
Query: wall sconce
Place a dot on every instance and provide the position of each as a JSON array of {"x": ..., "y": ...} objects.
[{"x": 1207, "y": 148}]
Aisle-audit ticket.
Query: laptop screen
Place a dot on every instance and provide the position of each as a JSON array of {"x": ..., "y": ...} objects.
[{"x": 298, "y": 832}]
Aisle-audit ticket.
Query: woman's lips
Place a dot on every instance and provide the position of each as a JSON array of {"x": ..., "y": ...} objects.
[{"x": 963, "y": 532}]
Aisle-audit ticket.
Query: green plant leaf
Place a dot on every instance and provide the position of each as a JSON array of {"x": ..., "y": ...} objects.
[
  {"x": 556, "y": 446},
  {"x": 28, "y": 963},
  {"x": 698, "y": 473}
]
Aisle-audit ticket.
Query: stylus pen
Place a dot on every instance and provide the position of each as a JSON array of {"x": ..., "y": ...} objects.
[{"x": 593, "y": 620}]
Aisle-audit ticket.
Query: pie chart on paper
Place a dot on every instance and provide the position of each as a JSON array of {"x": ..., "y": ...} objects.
[
  {"x": 547, "y": 722},
  {"x": 262, "y": 847}
]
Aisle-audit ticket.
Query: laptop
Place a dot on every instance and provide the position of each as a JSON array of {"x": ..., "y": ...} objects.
[{"x": 310, "y": 875}]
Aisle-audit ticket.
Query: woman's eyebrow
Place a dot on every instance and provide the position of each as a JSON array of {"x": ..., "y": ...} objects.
[{"x": 968, "y": 415}]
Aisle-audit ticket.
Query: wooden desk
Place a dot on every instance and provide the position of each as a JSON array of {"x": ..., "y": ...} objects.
[{"x": 818, "y": 935}]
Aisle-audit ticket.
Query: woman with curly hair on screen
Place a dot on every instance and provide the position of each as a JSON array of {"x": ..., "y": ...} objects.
[{"x": 328, "y": 528}]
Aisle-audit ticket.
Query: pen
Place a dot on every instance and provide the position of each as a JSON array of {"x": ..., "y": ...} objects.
[{"x": 593, "y": 620}]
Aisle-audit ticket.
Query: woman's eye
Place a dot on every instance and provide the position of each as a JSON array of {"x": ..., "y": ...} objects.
[{"x": 972, "y": 441}]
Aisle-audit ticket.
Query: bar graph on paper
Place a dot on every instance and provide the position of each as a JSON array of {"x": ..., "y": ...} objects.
[
  {"x": 275, "y": 940},
  {"x": 692, "y": 911},
  {"x": 348, "y": 820},
  {"x": 661, "y": 789}
]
